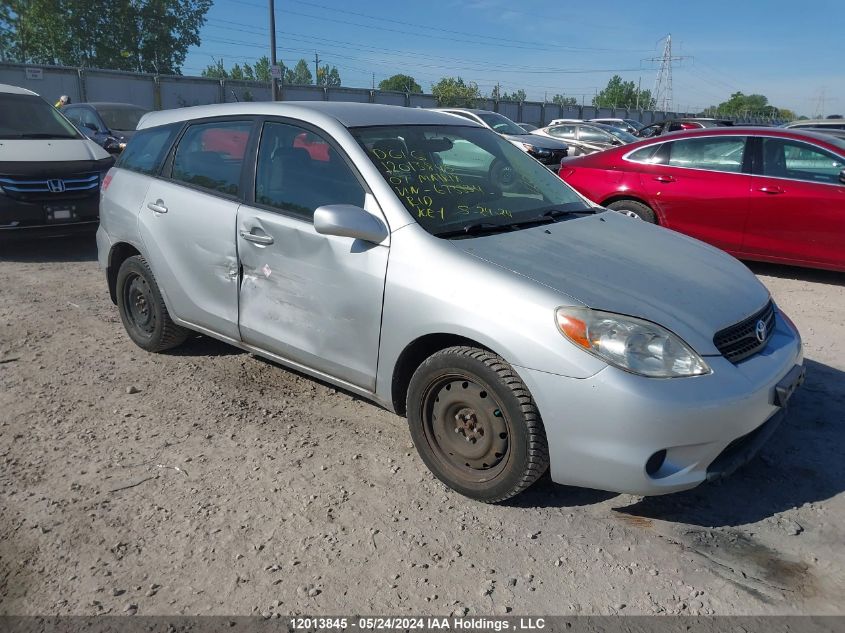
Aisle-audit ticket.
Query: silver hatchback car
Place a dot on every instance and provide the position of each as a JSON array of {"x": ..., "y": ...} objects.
[{"x": 425, "y": 263}]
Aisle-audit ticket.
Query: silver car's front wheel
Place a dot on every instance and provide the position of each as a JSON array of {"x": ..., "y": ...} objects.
[{"x": 475, "y": 424}]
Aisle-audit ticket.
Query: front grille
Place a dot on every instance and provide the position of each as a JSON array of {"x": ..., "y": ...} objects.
[
  {"x": 740, "y": 341},
  {"x": 38, "y": 189}
]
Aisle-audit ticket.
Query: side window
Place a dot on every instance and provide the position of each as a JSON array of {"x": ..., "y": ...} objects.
[
  {"x": 88, "y": 119},
  {"x": 210, "y": 155},
  {"x": 649, "y": 154},
  {"x": 147, "y": 148},
  {"x": 73, "y": 115},
  {"x": 563, "y": 131},
  {"x": 591, "y": 134},
  {"x": 298, "y": 171},
  {"x": 723, "y": 153},
  {"x": 792, "y": 159}
]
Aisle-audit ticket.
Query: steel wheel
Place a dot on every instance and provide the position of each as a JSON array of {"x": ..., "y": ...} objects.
[
  {"x": 137, "y": 302},
  {"x": 466, "y": 427}
]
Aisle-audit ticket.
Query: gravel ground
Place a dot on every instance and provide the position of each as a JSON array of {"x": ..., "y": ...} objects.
[{"x": 207, "y": 481}]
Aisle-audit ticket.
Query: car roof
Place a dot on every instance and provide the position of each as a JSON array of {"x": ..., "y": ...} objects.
[
  {"x": 747, "y": 130},
  {"x": 16, "y": 90},
  {"x": 348, "y": 114},
  {"x": 815, "y": 122}
]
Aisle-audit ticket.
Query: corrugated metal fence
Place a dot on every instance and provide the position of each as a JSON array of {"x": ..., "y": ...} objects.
[{"x": 157, "y": 92}]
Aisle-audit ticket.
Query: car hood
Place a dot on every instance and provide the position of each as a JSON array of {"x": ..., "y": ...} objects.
[
  {"x": 34, "y": 150},
  {"x": 611, "y": 262},
  {"x": 537, "y": 140}
]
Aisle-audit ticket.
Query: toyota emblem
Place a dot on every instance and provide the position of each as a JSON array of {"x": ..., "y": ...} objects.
[{"x": 760, "y": 330}]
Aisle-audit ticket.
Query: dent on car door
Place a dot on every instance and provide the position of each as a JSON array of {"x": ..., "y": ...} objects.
[
  {"x": 797, "y": 204},
  {"x": 699, "y": 187},
  {"x": 187, "y": 223},
  {"x": 309, "y": 298}
]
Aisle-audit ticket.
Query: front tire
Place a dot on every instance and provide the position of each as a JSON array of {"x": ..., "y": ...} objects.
[
  {"x": 475, "y": 424},
  {"x": 142, "y": 308},
  {"x": 634, "y": 209}
]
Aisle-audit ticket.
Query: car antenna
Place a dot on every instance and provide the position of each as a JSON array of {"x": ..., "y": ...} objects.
[{"x": 232, "y": 90}]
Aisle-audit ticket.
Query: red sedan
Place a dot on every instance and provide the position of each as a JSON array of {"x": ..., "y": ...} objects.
[{"x": 766, "y": 194}]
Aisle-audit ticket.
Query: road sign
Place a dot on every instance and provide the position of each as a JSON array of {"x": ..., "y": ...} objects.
[{"x": 276, "y": 72}]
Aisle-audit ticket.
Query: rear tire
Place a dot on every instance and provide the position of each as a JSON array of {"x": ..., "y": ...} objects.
[
  {"x": 634, "y": 209},
  {"x": 475, "y": 424},
  {"x": 142, "y": 308}
]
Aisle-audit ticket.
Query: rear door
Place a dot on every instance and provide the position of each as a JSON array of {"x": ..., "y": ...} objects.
[
  {"x": 187, "y": 223},
  {"x": 312, "y": 299},
  {"x": 797, "y": 210},
  {"x": 700, "y": 188}
]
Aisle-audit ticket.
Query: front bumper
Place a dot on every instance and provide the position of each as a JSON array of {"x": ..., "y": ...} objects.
[
  {"x": 19, "y": 218},
  {"x": 603, "y": 430}
]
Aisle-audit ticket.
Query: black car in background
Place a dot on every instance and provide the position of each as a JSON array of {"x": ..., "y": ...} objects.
[
  {"x": 110, "y": 125},
  {"x": 680, "y": 125}
]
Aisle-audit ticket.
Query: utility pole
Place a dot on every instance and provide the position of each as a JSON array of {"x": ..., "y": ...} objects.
[
  {"x": 274, "y": 84},
  {"x": 639, "y": 83},
  {"x": 316, "y": 69}
]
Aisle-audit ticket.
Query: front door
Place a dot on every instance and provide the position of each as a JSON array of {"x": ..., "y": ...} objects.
[
  {"x": 699, "y": 188},
  {"x": 187, "y": 223},
  {"x": 797, "y": 204},
  {"x": 312, "y": 299}
]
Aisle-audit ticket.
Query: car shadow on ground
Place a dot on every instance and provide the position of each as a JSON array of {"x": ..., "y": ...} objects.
[
  {"x": 201, "y": 345},
  {"x": 812, "y": 275},
  {"x": 75, "y": 248},
  {"x": 801, "y": 464}
]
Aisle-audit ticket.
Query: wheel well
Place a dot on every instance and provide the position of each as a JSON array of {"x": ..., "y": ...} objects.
[
  {"x": 613, "y": 199},
  {"x": 414, "y": 355},
  {"x": 119, "y": 253}
]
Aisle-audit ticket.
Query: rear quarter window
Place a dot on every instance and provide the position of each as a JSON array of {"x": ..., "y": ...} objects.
[{"x": 146, "y": 151}]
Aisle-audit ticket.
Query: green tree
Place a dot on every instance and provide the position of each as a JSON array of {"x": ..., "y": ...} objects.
[
  {"x": 261, "y": 69},
  {"x": 623, "y": 94},
  {"x": 561, "y": 100},
  {"x": 139, "y": 35},
  {"x": 328, "y": 76},
  {"x": 400, "y": 83},
  {"x": 300, "y": 75},
  {"x": 741, "y": 104},
  {"x": 454, "y": 92},
  {"x": 215, "y": 70},
  {"x": 517, "y": 95}
]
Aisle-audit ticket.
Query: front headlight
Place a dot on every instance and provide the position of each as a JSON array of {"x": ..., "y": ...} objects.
[
  {"x": 533, "y": 149},
  {"x": 632, "y": 344}
]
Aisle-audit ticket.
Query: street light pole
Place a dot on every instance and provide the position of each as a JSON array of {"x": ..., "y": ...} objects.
[{"x": 274, "y": 86}]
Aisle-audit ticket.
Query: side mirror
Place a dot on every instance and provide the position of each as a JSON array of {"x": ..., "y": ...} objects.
[{"x": 347, "y": 220}]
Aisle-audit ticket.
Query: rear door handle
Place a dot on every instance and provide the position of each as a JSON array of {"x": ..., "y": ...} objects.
[
  {"x": 771, "y": 190},
  {"x": 664, "y": 178},
  {"x": 157, "y": 206},
  {"x": 265, "y": 240}
]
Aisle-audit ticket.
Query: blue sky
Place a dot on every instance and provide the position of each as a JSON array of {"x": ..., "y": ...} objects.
[{"x": 794, "y": 56}]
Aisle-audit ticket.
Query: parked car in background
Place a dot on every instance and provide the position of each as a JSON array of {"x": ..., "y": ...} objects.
[
  {"x": 518, "y": 330},
  {"x": 546, "y": 150},
  {"x": 528, "y": 127},
  {"x": 50, "y": 174},
  {"x": 832, "y": 124},
  {"x": 829, "y": 131},
  {"x": 766, "y": 194},
  {"x": 586, "y": 138},
  {"x": 629, "y": 125},
  {"x": 559, "y": 121},
  {"x": 110, "y": 125},
  {"x": 680, "y": 125}
]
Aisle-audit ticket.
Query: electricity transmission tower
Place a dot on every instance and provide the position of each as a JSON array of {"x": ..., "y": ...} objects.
[{"x": 662, "y": 94}]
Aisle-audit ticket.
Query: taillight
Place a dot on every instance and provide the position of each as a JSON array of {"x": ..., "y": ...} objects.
[
  {"x": 689, "y": 126},
  {"x": 106, "y": 181}
]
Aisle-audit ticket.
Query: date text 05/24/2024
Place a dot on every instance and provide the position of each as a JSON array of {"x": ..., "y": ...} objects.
[{"x": 418, "y": 623}]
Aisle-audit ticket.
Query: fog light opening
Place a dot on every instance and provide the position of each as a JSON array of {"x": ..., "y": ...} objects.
[{"x": 655, "y": 462}]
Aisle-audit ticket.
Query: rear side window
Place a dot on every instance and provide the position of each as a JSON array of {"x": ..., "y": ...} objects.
[
  {"x": 799, "y": 161},
  {"x": 562, "y": 131},
  {"x": 591, "y": 134},
  {"x": 724, "y": 153},
  {"x": 146, "y": 150},
  {"x": 648, "y": 154},
  {"x": 210, "y": 155}
]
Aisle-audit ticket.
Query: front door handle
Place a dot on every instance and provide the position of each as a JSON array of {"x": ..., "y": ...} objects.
[
  {"x": 771, "y": 190},
  {"x": 264, "y": 240},
  {"x": 664, "y": 178},
  {"x": 157, "y": 206}
]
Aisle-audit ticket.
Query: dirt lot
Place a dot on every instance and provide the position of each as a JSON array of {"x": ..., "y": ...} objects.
[{"x": 207, "y": 481}]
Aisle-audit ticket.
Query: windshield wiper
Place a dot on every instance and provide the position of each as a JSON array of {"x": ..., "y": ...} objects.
[
  {"x": 557, "y": 212},
  {"x": 477, "y": 228}
]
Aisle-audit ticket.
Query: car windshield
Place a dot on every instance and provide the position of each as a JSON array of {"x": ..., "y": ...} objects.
[
  {"x": 455, "y": 179},
  {"x": 121, "y": 117},
  {"x": 500, "y": 123},
  {"x": 29, "y": 116}
]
